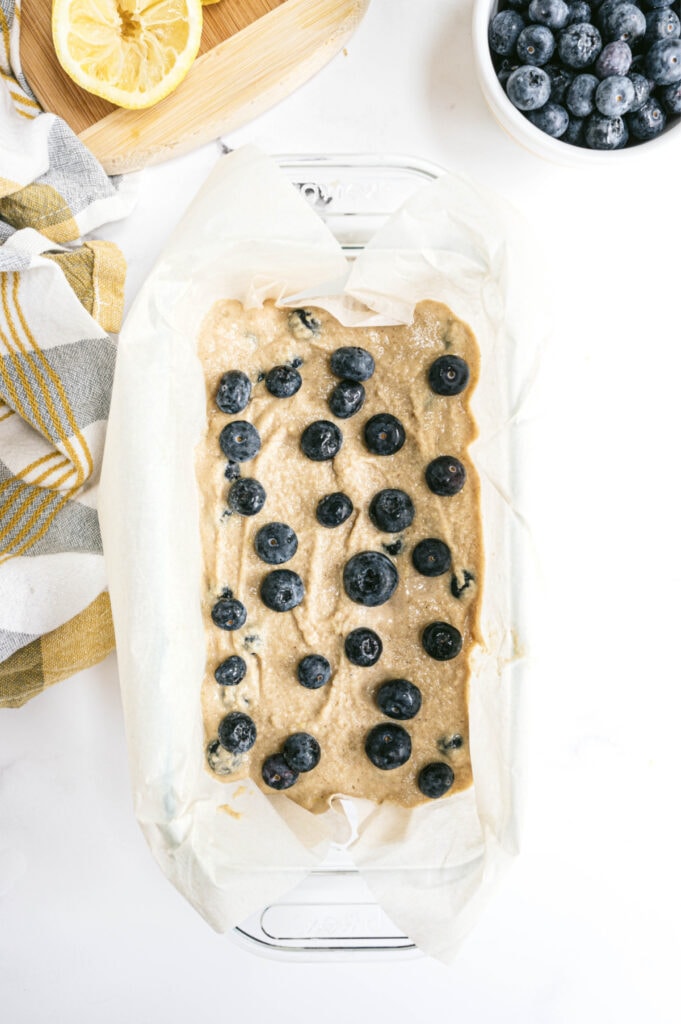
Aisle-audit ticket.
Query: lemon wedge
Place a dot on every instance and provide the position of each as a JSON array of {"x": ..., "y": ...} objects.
[{"x": 130, "y": 52}]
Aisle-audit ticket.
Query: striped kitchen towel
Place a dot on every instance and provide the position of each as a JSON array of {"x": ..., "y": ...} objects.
[{"x": 59, "y": 304}]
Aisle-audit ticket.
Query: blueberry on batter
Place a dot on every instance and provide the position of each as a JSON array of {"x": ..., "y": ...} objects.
[
  {"x": 282, "y": 590},
  {"x": 398, "y": 698},
  {"x": 240, "y": 441},
  {"x": 303, "y": 325},
  {"x": 391, "y": 510},
  {"x": 228, "y": 613},
  {"x": 321, "y": 440},
  {"x": 435, "y": 779},
  {"x": 388, "y": 746},
  {"x": 234, "y": 392},
  {"x": 334, "y": 509},
  {"x": 277, "y": 774},
  {"x": 384, "y": 434},
  {"x": 370, "y": 578},
  {"x": 313, "y": 671},
  {"x": 276, "y": 543},
  {"x": 441, "y": 641},
  {"x": 237, "y": 732},
  {"x": 301, "y": 752},
  {"x": 346, "y": 399},
  {"x": 231, "y": 671},
  {"x": 363, "y": 647},
  {"x": 352, "y": 363},
  {"x": 448, "y": 375},
  {"x": 283, "y": 381},
  {"x": 445, "y": 475},
  {"x": 431, "y": 557},
  {"x": 246, "y": 496}
]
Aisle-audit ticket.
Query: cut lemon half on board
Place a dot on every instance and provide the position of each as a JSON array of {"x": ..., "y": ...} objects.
[{"x": 130, "y": 52}]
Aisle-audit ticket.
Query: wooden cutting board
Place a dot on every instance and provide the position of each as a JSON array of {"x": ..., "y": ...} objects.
[{"x": 253, "y": 54}]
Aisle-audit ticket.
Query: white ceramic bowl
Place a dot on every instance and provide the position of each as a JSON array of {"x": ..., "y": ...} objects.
[{"x": 524, "y": 132}]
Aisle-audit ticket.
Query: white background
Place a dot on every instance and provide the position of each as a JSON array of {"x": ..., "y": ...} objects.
[{"x": 585, "y": 927}]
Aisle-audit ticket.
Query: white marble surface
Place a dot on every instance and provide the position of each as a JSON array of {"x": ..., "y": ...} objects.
[{"x": 585, "y": 927}]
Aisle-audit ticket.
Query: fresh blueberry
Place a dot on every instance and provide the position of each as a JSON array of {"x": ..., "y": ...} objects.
[
  {"x": 240, "y": 441},
  {"x": 234, "y": 392},
  {"x": 580, "y": 95},
  {"x": 614, "y": 59},
  {"x": 624, "y": 21},
  {"x": 435, "y": 779},
  {"x": 535, "y": 45},
  {"x": 232, "y": 470},
  {"x": 578, "y": 11},
  {"x": 391, "y": 510},
  {"x": 321, "y": 441},
  {"x": 231, "y": 671},
  {"x": 277, "y": 773},
  {"x": 363, "y": 647},
  {"x": 506, "y": 68},
  {"x": 346, "y": 399},
  {"x": 671, "y": 97},
  {"x": 528, "y": 88},
  {"x": 276, "y": 543},
  {"x": 384, "y": 434},
  {"x": 615, "y": 96},
  {"x": 431, "y": 557},
  {"x": 602, "y": 132},
  {"x": 303, "y": 325},
  {"x": 574, "y": 133},
  {"x": 246, "y": 496},
  {"x": 334, "y": 509},
  {"x": 552, "y": 119},
  {"x": 561, "y": 79},
  {"x": 504, "y": 30},
  {"x": 313, "y": 671},
  {"x": 552, "y": 13},
  {"x": 228, "y": 613},
  {"x": 283, "y": 381},
  {"x": 663, "y": 24},
  {"x": 370, "y": 578},
  {"x": 301, "y": 752},
  {"x": 642, "y": 89},
  {"x": 398, "y": 698},
  {"x": 441, "y": 641},
  {"x": 282, "y": 590},
  {"x": 663, "y": 63},
  {"x": 445, "y": 475},
  {"x": 579, "y": 44},
  {"x": 646, "y": 123},
  {"x": 388, "y": 746},
  {"x": 448, "y": 375},
  {"x": 352, "y": 363},
  {"x": 237, "y": 732}
]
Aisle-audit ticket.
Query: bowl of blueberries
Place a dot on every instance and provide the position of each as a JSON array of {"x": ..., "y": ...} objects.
[{"x": 575, "y": 80}]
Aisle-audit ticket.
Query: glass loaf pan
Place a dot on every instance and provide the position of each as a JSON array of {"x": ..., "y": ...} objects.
[{"x": 332, "y": 914}]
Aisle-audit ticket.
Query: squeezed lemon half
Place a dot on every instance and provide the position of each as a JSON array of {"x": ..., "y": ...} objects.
[{"x": 130, "y": 52}]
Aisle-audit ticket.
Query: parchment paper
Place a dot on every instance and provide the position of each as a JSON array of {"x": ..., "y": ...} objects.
[{"x": 228, "y": 847}]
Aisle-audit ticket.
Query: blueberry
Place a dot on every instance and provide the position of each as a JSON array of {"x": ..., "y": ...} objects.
[
  {"x": 574, "y": 133},
  {"x": 313, "y": 671},
  {"x": 580, "y": 95},
  {"x": 394, "y": 548},
  {"x": 388, "y": 746},
  {"x": 301, "y": 752},
  {"x": 642, "y": 88},
  {"x": 535, "y": 45},
  {"x": 528, "y": 88},
  {"x": 228, "y": 613},
  {"x": 625, "y": 22},
  {"x": 614, "y": 59},
  {"x": 352, "y": 363},
  {"x": 663, "y": 63},
  {"x": 237, "y": 732},
  {"x": 552, "y": 13},
  {"x": 602, "y": 132},
  {"x": 282, "y": 590},
  {"x": 506, "y": 68},
  {"x": 391, "y": 510},
  {"x": 246, "y": 496},
  {"x": 552, "y": 119},
  {"x": 334, "y": 509},
  {"x": 504, "y": 30},
  {"x": 654, "y": 4},
  {"x": 220, "y": 760},
  {"x": 240, "y": 441},
  {"x": 370, "y": 578},
  {"x": 303, "y": 325},
  {"x": 445, "y": 475},
  {"x": 579, "y": 44},
  {"x": 452, "y": 742},
  {"x": 276, "y": 543},
  {"x": 435, "y": 779},
  {"x": 363, "y": 647},
  {"x": 321, "y": 441},
  {"x": 234, "y": 392},
  {"x": 671, "y": 97},
  {"x": 578, "y": 11},
  {"x": 441, "y": 641},
  {"x": 646, "y": 123},
  {"x": 277, "y": 773},
  {"x": 283, "y": 381},
  {"x": 346, "y": 399},
  {"x": 561, "y": 79},
  {"x": 398, "y": 698},
  {"x": 384, "y": 434},
  {"x": 615, "y": 96},
  {"x": 448, "y": 375},
  {"x": 662, "y": 24},
  {"x": 431, "y": 557},
  {"x": 231, "y": 671}
]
